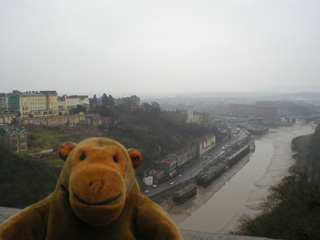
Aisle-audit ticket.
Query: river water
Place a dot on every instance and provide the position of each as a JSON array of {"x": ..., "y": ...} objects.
[{"x": 218, "y": 207}]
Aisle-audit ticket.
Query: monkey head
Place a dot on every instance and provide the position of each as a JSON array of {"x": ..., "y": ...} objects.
[{"x": 98, "y": 176}]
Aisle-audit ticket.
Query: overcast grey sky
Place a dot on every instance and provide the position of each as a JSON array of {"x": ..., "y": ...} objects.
[{"x": 167, "y": 46}]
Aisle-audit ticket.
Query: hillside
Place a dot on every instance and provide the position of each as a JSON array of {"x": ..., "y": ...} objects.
[
  {"x": 23, "y": 182},
  {"x": 153, "y": 132}
]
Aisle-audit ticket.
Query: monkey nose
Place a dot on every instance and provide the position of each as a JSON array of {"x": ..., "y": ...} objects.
[{"x": 96, "y": 186}]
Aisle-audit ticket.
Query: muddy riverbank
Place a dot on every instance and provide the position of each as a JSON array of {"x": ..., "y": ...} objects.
[{"x": 240, "y": 191}]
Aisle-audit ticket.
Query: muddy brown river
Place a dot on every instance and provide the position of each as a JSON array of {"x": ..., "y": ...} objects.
[{"x": 218, "y": 207}]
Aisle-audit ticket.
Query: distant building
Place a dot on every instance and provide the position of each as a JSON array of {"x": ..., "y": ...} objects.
[
  {"x": 266, "y": 109},
  {"x": 76, "y": 119},
  {"x": 185, "y": 155},
  {"x": 198, "y": 118},
  {"x": 157, "y": 175},
  {"x": 239, "y": 108},
  {"x": 96, "y": 120},
  {"x": 75, "y": 100},
  {"x": 132, "y": 101},
  {"x": 169, "y": 166},
  {"x": 205, "y": 144},
  {"x": 15, "y": 138},
  {"x": 62, "y": 105},
  {"x": 148, "y": 180},
  {"x": 93, "y": 119},
  {"x": 192, "y": 118},
  {"x": 14, "y": 101},
  {"x": 33, "y": 103},
  {"x": 6, "y": 118},
  {"x": 67, "y": 120},
  {"x": 3, "y": 102}
]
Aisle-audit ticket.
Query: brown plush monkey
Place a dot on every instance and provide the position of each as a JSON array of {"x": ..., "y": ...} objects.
[{"x": 96, "y": 197}]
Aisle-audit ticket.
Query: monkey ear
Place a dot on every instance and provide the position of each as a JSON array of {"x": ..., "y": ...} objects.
[
  {"x": 136, "y": 157},
  {"x": 65, "y": 148}
]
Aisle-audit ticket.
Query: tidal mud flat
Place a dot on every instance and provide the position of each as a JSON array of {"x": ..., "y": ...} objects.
[
  {"x": 242, "y": 189},
  {"x": 180, "y": 212}
]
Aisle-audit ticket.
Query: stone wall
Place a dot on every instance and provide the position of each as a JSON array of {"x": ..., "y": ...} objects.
[{"x": 188, "y": 235}]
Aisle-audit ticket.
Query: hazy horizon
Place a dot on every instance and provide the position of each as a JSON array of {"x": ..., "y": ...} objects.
[
  {"x": 168, "y": 47},
  {"x": 146, "y": 96}
]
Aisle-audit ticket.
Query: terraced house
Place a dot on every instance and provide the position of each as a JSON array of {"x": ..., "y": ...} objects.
[
  {"x": 15, "y": 138},
  {"x": 34, "y": 103}
]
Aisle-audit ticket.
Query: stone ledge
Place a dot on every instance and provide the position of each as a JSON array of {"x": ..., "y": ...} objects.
[
  {"x": 7, "y": 212},
  {"x": 195, "y": 235},
  {"x": 188, "y": 235}
]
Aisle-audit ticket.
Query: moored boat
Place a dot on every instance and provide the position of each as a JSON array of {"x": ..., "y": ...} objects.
[{"x": 185, "y": 193}]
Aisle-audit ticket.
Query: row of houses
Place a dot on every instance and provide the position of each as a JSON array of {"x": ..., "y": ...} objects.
[
  {"x": 71, "y": 120},
  {"x": 48, "y": 103},
  {"x": 76, "y": 119},
  {"x": 16, "y": 137},
  {"x": 40, "y": 103},
  {"x": 168, "y": 167}
]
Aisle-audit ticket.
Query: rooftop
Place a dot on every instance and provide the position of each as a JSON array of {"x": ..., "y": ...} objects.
[{"x": 11, "y": 130}]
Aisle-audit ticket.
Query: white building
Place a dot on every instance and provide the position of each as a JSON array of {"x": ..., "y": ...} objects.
[
  {"x": 75, "y": 100},
  {"x": 43, "y": 103},
  {"x": 206, "y": 144}
]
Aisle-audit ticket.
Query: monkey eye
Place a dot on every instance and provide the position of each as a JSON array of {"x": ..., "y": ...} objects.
[
  {"x": 115, "y": 159},
  {"x": 83, "y": 156}
]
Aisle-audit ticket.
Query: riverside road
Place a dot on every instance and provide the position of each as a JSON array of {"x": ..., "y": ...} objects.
[{"x": 193, "y": 170}]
